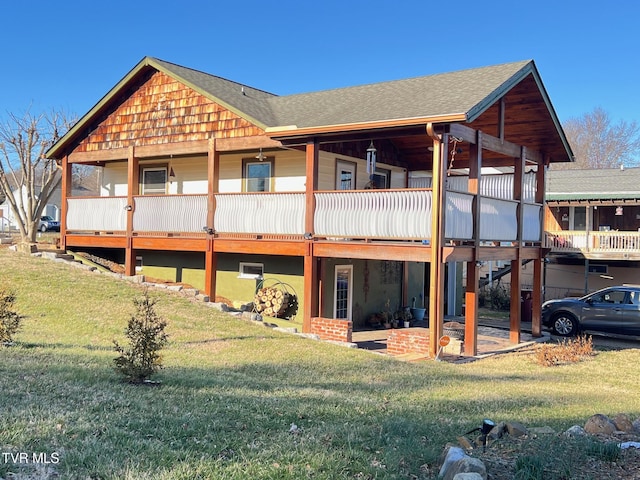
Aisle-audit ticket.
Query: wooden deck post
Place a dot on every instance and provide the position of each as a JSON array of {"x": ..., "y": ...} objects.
[
  {"x": 538, "y": 265},
  {"x": 473, "y": 270},
  {"x": 516, "y": 264},
  {"x": 436, "y": 286},
  {"x": 66, "y": 193},
  {"x": 211, "y": 258},
  {"x": 133, "y": 186},
  {"x": 311, "y": 280}
]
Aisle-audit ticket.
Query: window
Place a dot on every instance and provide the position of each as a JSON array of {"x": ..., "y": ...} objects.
[
  {"x": 252, "y": 271},
  {"x": 258, "y": 175},
  {"x": 345, "y": 175},
  {"x": 342, "y": 292},
  {"x": 154, "y": 181},
  {"x": 609, "y": 296},
  {"x": 381, "y": 178},
  {"x": 600, "y": 269}
]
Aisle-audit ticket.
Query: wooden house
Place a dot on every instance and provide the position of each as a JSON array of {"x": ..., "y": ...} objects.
[
  {"x": 360, "y": 196},
  {"x": 592, "y": 228}
]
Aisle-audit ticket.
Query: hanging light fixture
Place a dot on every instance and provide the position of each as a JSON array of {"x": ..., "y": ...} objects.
[
  {"x": 260, "y": 155},
  {"x": 371, "y": 158}
]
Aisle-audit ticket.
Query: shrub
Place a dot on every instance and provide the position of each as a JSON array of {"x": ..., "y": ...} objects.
[
  {"x": 10, "y": 320},
  {"x": 145, "y": 331},
  {"x": 495, "y": 297},
  {"x": 567, "y": 351}
]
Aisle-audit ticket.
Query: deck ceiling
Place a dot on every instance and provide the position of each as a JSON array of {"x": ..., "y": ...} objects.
[{"x": 526, "y": 122}]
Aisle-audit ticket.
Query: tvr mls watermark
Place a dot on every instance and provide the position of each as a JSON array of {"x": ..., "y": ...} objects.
[{"x": 25, "y": 458}]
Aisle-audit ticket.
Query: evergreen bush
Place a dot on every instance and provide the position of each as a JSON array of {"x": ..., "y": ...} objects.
[
  {"x": 141, "y": 358},
  {"x": 10, "y": 320}
]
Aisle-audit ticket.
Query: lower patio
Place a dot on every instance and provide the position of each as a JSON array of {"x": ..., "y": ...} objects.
[{"x": 402, "y": 343}]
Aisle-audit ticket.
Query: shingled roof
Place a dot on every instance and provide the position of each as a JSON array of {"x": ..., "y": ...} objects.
[
  {"x": 600, "y": 184},
  {"x": 460, "y": 96}
]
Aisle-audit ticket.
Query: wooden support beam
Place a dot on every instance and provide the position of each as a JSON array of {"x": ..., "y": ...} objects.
[
  {"x": 133, "y": 186},
  {"x": 311, "y": 183},
  {"x": 210, "y": 271},
  {"x": 515, "y": 313},
  {"x": 66, "y": 184},
  {"x": 211, "y": 257},
  {"x": 436, "y": 286},
  {"x": 471, "y": 309},
  {"x": 536, "y": 317},
  {"x": 494, "y": 144},
  {"x": 311, "y": 289},
  {"x": 473, "y": 270},
  {"x": 194, "y": 147}
]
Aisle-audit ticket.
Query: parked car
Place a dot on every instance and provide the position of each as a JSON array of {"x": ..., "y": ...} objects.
[
  {"x": 48, "y": 224},
  {"x": 613, "y": 310}
]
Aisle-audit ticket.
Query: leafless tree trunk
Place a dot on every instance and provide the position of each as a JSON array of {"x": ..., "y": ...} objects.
[
  {"x": 598, "y": 143},
  {"x": 27, "y": 178}
]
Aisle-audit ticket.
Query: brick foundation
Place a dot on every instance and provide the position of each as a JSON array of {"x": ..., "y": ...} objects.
[
  {"x": 408, "y": 340},
  {"x": 337, "y": 330}
]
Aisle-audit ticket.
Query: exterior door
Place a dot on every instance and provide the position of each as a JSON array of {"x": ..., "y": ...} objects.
[{"x": 342, "y": 294}]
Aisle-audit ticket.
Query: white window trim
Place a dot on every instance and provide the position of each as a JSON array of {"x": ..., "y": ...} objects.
[
  {"x": 349, "y": 268},
  {"x": 250, "y": 276},
  {"x": 154, "y": 191}
]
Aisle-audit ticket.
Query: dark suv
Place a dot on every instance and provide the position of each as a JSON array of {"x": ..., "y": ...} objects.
[{"x": 610, "y": 310}]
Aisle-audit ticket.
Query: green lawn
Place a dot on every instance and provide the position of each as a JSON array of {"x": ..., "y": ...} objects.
[{"x": 231, "y": 391}]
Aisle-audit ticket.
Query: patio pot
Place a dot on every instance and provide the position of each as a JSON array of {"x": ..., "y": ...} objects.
[{"x": 418, "y": 313}]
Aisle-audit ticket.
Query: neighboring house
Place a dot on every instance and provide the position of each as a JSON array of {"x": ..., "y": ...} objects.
[
  {"x": 355, "y": 197},
  {"x": 8, "y": 218},
  {"x": 592, "y": 226}
]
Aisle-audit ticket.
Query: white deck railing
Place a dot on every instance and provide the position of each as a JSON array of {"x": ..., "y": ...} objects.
[
  {"x": 170, "y": 213},
  {"x": 260, "y": 213},
  {"x": 498, "y": 220},
  {"x": 385, "y": 214},
  {"x": 459, "y": 216},
  {"x": 580, "y": 241},
  {"x": 531, "y": 228},
  {"x": 375, "y": 214},
  {"x": 104, "y": 214}
]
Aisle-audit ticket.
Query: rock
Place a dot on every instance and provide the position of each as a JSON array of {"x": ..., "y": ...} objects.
[
  {"x": 542, "y": 431},
  {"x": 497, "y": 431},
  {"x": 468, "y": 476},
  {"x": 465, "y": 443},
  {"x": 636, "y": 425},
  {"x": 575, "y": 431},
  {"x": 175, "y": 288},
  {"x": 623, "y": 423},
  {"x": 516, "y": 429},
  {"x": 202, "y": 297},
  {"x": 599, "y": 424},
  {"x": 457, "y": 462}
]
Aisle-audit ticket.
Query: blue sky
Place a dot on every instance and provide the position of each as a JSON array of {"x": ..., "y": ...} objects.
[{"x": 67, "y": 55}]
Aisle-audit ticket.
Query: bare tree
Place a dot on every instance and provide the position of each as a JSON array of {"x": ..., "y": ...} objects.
[
  {"x": 598, "y": 143},
  {"x": 27, "y": 178}
]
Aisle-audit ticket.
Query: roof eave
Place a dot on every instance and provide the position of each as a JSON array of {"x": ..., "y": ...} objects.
[
  {"x": 502, "y": 90},
  {"x": 294, "y": 131}
]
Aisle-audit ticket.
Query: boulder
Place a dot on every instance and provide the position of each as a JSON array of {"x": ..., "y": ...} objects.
[
  {"x": 468, "y": 476},
  {"x": 575, "y": 431},
  {"x": 623, "y": 423},
  {"x": 516, "y": 429},
  {"x": 456, "y": 462},
  {"x": 599, "y": 424}
]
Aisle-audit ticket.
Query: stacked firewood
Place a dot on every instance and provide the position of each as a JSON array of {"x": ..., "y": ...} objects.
[{"x": 272, "y": 302}]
